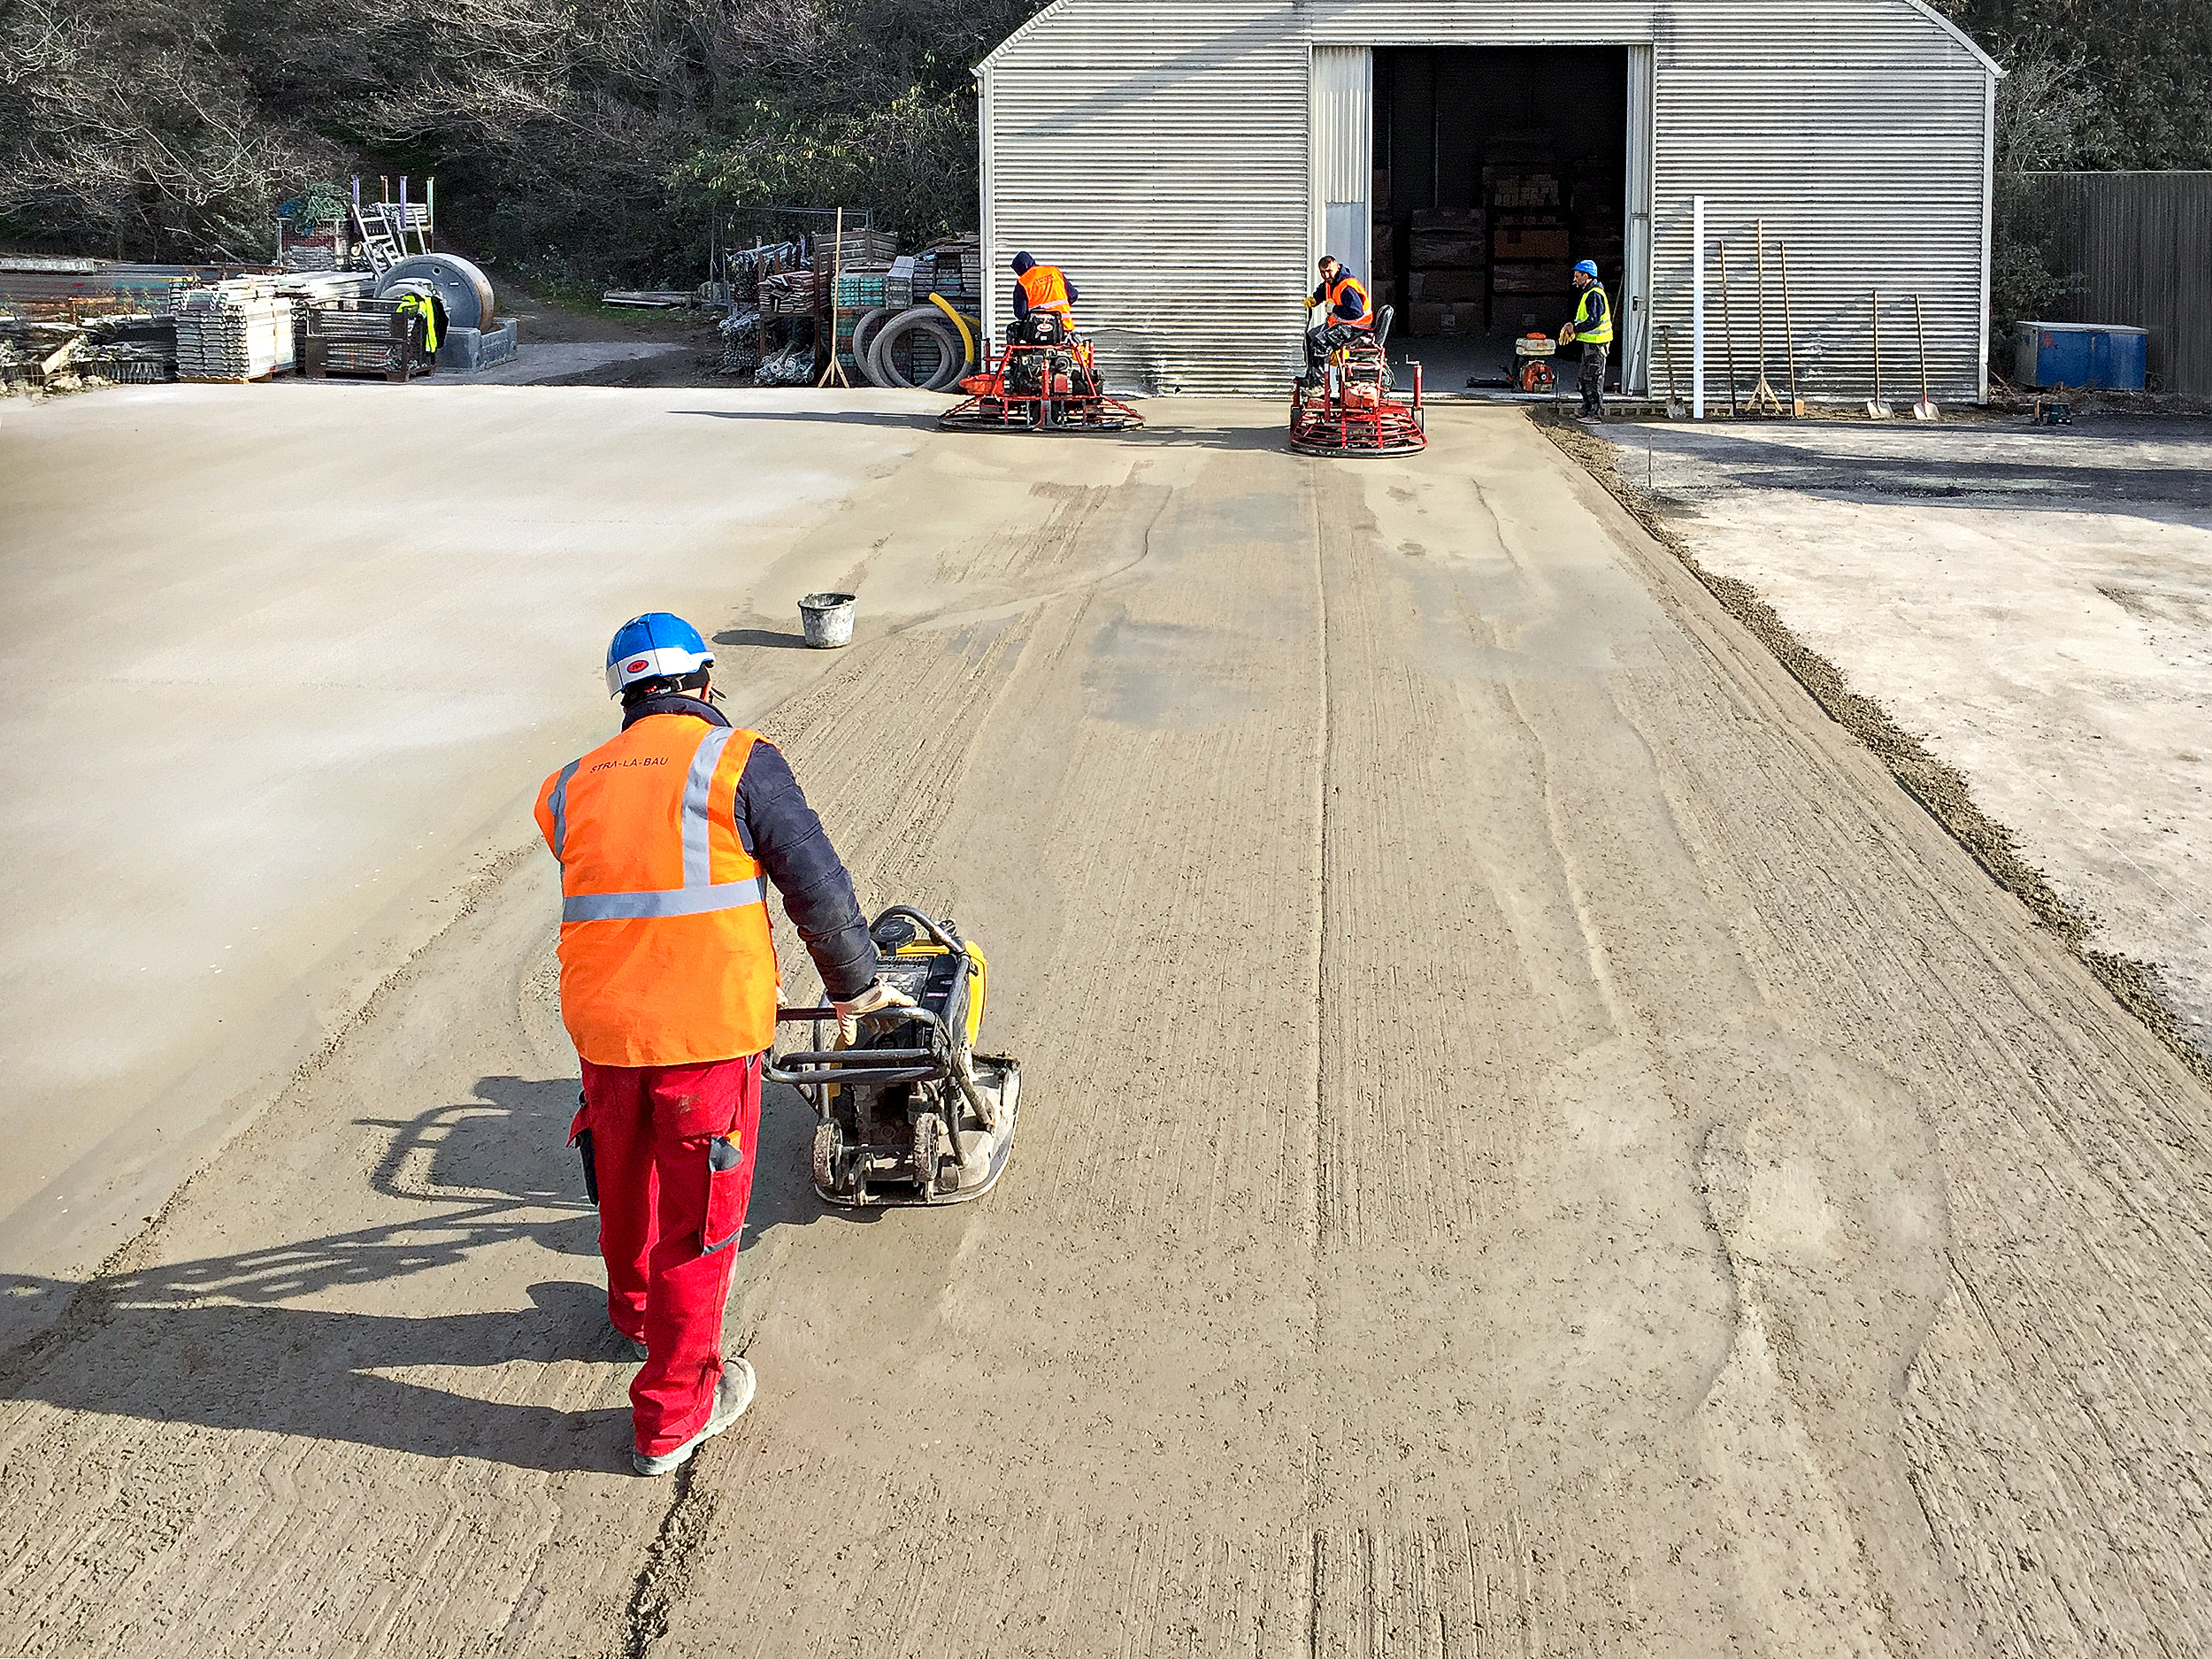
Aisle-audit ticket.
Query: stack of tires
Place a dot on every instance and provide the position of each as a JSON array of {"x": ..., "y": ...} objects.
[{"x": 917, "y": 349}]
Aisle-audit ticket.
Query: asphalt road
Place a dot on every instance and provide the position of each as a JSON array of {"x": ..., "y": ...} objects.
[{"x": 1531, "y": 1142}]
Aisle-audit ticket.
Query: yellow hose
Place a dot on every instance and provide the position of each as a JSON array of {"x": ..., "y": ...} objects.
[{"x": 967, "y": 339}]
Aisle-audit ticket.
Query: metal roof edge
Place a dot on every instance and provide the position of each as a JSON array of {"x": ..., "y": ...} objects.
[
  {"x": 1922, "y": 6},
  {"x": 999, "y": 51},
  {"x": 1956, "y": 34}
]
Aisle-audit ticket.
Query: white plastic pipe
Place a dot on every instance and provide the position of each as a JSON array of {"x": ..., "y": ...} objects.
[{"x": 1697, "y": 309}]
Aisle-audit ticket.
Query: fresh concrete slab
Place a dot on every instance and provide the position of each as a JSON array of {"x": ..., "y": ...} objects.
[
  {"x": 1531, "y": 1142},
  {"x": 276, "y": 660},
  {"x": 2035, "y": 603}
]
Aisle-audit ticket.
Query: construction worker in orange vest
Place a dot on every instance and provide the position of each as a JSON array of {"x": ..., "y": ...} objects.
[
  {"x": 1041, "y": 290},
  {"x": 1346, "y": 313},
  {"x": 669, "y": 988}
]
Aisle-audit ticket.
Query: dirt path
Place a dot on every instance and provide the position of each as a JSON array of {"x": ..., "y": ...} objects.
[{"x": 1531, "y": 1145}]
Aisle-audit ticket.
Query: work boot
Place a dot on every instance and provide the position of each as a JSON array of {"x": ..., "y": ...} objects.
[{"x": 731, "y": 1396}]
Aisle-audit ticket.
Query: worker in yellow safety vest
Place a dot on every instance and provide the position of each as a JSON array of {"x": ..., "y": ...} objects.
[
  {"x": 667, "y": 836},
  {"x": 1592, "y": 329}
]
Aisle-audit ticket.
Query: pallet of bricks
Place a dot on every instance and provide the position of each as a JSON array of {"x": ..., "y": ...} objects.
[
  {"x": 366, "y": 338},
  {"x": 239, "y": 330}
]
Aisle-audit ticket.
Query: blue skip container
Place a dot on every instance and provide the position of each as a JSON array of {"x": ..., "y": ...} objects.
[{"x": 2104, "y": 355}]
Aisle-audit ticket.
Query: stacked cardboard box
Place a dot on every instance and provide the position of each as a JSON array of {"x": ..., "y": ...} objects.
[
  {"x": 1530, "y": 243},
  {"x": 1446, "y": 260}
]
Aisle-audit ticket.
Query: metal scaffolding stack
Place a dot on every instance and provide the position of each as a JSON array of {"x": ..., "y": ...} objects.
[{"x": 239, "y": 330}]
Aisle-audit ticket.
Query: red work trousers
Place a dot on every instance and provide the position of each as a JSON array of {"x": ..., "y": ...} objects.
[{"x": 672, "y": 1147}]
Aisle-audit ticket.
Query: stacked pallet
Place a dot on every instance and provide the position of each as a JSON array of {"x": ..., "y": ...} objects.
[
  {"x": 236, "y": 330},
  {"x": 789, "y": 294},
  {"x": 1446, "y": 281},
  {"x": 309, "y": 292},
  {"x": 360, "y": 337}
]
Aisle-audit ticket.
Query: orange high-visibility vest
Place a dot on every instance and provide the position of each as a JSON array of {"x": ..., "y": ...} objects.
[
  {"x": 1366, "y": 317},
  {"x": 1047, "y": 291},
  {"x": 665, "y": 953}
]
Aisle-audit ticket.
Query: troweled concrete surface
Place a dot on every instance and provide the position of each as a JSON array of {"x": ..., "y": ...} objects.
[
  {"x": 2035, "y": 603},
  {"x": 274, "y": 660},
  {"x": 1531, "y": 1142}
]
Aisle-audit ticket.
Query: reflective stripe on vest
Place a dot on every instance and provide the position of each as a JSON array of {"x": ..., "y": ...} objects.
[
  {"x": 1366, "y": 317},
  {"x": 1048, "y": 290},
  {"x": 1601, "y": 335},
  {"x": 699, "y": 895}
]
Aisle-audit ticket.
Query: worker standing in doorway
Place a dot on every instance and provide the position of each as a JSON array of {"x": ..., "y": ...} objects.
[
  {"x": 669, "y": 988},
  {"x": 1346, "y": 310},
  {"x": 1041, "y": 290},
  {"x": 1592, "y": 329}
]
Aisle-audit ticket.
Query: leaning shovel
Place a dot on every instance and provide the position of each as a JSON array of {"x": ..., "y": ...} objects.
[
  {"x": 1876, "y": 409},
  {"x": 1789, "y": 334},
  {"x": 1676, "y": 410},
  {"x": 1925, "y": 408}
]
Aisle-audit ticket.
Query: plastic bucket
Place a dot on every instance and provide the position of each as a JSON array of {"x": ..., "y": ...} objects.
[{"x": 829, "y": 619}]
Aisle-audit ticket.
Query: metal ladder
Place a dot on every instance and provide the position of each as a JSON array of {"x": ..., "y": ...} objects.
[{"x": 385, "y": 228}]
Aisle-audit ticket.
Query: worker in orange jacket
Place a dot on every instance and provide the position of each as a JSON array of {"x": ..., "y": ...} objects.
[
  {"x": 1041, "y": 290},
  {"x": 1345, "y": 313},
  {"x": 669, "y": 988}
]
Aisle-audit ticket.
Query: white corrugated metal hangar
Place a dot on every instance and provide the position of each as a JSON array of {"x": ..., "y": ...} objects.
[{"x": 1188, "y": 161}]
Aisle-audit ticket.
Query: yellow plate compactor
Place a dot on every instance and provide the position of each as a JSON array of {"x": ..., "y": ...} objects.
[{"x": 910, "y": 1114}]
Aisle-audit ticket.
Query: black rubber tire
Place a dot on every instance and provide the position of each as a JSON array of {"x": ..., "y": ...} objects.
[
  {"x": 865, "y": 332},
  {"x": 883, "y": 368},
  {"x": 829, "y": 1157},
  {"x": 929, "y": 1147}
]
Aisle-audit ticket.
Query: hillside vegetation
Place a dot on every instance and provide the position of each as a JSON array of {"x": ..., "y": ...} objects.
[
  {"x": 598, "y": 142},
  {"x": 595, "y": 139}
]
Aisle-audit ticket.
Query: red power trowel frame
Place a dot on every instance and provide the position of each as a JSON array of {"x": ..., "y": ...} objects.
[
  {"x": 1354, "y": 412},
  {"x": 990, "y": 407}
]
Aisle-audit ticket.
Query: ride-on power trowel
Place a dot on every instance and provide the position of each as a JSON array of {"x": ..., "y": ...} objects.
[
  {"x": 910, "y": 1114},
  {"x": 1352, "y": 407}
]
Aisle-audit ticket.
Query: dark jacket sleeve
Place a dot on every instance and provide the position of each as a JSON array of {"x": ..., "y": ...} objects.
[
  {"x": 1021, "y": 301},
  {"x": 1074, "y": 293},
  {"x": 780, "y": 829}
]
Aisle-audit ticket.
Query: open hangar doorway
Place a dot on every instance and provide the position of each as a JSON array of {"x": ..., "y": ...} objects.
[{"x": 1496, "y": 168}]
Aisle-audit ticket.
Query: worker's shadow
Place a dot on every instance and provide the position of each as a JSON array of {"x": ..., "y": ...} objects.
[{"x": 320, "y": 1338}]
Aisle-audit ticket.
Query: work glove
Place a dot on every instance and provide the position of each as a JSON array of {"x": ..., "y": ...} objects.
[{"x": 874, "y": 1000}]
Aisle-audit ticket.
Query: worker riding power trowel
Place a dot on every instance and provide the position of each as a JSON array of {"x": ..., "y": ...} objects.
[{"x": 910, "y": 1114}]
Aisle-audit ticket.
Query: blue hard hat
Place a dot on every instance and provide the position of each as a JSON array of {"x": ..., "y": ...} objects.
[
  {"x": 1587, "y": 267},
  {"x": 656, "y": 645}
]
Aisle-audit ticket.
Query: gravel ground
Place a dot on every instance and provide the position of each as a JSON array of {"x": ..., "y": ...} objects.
[{"x": 2034, "y": 603}]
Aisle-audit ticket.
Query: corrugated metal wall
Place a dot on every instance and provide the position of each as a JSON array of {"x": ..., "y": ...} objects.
[
  {"x": 1159, "y": 149},
  {"x": 1341, "y": 135},
  {"x": 2144, "y": 243}
]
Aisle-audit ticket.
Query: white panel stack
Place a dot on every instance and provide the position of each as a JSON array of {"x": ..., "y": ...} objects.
[{"x": 239, "y": 330}]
